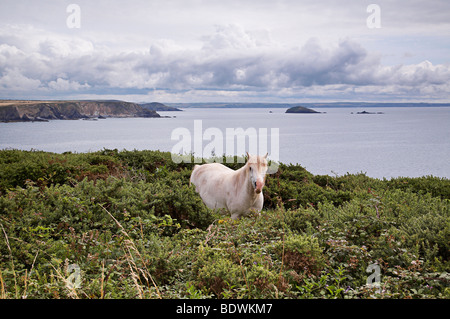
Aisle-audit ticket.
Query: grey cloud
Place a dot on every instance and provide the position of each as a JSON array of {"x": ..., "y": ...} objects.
[{"x": 232, "y": 59}]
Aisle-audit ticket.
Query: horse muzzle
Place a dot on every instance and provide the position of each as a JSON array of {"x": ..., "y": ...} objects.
[{"x": 259, "y": 186}]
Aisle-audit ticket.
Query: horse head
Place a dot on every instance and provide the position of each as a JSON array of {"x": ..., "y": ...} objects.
[{"x": 257, "y": 168}]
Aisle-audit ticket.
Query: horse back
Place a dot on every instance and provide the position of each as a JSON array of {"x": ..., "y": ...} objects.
[{"x": 208, "y": 174}]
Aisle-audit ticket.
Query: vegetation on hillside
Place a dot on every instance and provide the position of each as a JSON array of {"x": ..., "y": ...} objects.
[{"x": 127, "y": 224}]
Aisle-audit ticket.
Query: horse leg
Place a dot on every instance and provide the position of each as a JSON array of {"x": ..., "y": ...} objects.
[
  {"x": 258, "y": 204},
  {"x": 235, "y": 216}
]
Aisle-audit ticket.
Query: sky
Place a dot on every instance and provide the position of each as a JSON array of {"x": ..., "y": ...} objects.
[{"x": 274, "y": 51}]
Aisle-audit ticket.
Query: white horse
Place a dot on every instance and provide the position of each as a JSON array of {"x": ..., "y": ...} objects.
[{"x": 239, "y": 192}]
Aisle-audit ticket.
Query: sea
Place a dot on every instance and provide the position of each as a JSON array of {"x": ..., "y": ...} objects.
[{"x": 390, "y": 142}]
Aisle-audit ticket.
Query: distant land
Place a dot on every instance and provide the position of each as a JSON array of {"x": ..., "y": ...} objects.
[
  {"x": 301, "y": 109},
  {"x": 156, "y": 106},
  {"x": 308, "y": 105},
  {"x": 39, "y": 110},
  {"x": 29, "y": 110}
]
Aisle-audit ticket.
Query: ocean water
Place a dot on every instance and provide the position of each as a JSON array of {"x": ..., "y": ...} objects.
[{"x": 400, "y": 142}]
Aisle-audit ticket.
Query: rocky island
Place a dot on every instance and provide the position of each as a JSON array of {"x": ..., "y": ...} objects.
[
  {"x": 22, "y": 111},
  {"x": 365, "y": 112},
  {"x": 301, "y": 109}
]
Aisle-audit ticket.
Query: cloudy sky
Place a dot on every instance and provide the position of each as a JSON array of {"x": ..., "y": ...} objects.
[{"x": 230, "y": 51}]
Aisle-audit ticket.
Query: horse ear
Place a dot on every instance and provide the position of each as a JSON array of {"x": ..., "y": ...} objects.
[
  {"x": 265, "y": 156},
  {"x": 248, "y": 156}
]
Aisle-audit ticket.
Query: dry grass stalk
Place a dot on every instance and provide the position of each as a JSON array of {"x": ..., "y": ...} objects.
[
  {"x": 12, "y": 260},
  {"x": 130, "y": 246},
  {"x": 2, "y": 286}
]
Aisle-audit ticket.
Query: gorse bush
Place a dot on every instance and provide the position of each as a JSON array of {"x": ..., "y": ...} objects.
[
  {"x": 133, "y": 227},
  {"x": 302, "y": 253}
]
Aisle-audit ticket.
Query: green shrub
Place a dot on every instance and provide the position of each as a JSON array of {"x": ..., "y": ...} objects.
[
  {"x": 136, "y": 229},
  {"x": 216, "y": 272},
  {"x": 301, "y": 253}
]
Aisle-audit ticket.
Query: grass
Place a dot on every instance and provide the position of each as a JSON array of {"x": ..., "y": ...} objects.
[{"x": 128, "y": 225}]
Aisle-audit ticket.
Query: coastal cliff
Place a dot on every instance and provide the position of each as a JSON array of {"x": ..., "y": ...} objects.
[{"x": 21, "y": 111}]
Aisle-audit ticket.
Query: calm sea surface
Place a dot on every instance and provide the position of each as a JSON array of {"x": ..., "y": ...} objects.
[{"x": 401, "y": 142}]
